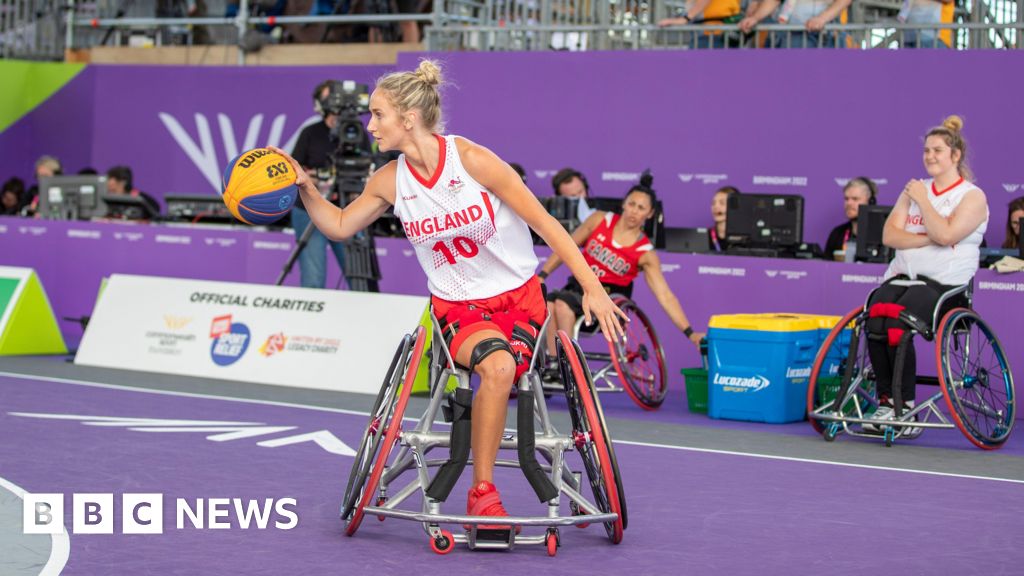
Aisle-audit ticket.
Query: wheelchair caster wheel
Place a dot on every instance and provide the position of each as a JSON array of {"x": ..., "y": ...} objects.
[
  {"x": 552, "y": 541},
  {"x": 831, "y": 431},
  {"x": 890, "y": 435},
  {"x": 380, "y": 502},
  {"x": 444, "y": 543}
]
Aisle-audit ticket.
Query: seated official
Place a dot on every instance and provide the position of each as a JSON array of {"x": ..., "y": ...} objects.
[
  {"x": 719, "y": 208},
  {"x": 119, "y": 182},
  {"x": 841, "y": 244}
]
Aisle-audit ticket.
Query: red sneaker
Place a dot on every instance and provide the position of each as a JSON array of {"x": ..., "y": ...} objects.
[{"x": 484, "y": 500}]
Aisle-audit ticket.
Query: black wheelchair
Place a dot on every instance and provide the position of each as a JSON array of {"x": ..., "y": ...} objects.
[
  {"x": 373, "y": 484},
  {"x": 972, "y": 373}
]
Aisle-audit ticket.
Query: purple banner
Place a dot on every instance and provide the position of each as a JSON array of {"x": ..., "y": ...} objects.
[{"x": 798, "y": 122}]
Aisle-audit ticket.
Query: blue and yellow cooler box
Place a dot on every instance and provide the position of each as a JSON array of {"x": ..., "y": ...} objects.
[{"x": 759, "y": 365}]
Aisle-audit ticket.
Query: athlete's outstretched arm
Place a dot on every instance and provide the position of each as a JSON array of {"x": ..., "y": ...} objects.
[
  {"x": 497, "y": 176},
  {"x": 342, "y": 223},
  {"x": 651, "y": 266},
  {"x": 579, "y": 236}
]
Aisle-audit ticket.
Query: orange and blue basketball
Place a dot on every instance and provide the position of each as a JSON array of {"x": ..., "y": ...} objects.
[{"x": 259, "y": 186}]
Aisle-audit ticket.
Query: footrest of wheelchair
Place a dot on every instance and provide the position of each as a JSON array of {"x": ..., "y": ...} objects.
[{"x": 491, "y": 538}]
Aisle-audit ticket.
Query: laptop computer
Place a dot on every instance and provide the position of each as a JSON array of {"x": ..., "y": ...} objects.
[{"x": 687, "y": 240}]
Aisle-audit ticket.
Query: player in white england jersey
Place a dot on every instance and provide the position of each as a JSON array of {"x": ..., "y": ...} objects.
[
  {"x": 467, "y": 214},
  {"x": 936, "y": 228}
]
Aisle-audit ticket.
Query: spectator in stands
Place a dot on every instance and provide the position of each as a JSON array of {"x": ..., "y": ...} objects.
[
  {"x": 857, "y": 192},
  {"x": 571, "y": 183},
  {"x": 120, "y": 181},
  {"x": 927, "y": 12},
  {"x": 46, "y": 166},
  {"x": 1014, "y": 212},
  {"x": 410, "y": 31},
  {"x": 12, "y": 197},
  {"x": 813, "y": 15},
  {"x": 719, "y": 205},
  {"x": 312, "y": 151},
  {"x": 708, "y": 12}
]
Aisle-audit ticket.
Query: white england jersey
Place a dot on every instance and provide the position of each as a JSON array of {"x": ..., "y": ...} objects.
[
  {"x": 950, "y": 265},
  {"x": 469, "y": 243}
]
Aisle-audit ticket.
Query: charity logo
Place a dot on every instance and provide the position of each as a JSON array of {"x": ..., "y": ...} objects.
[
  {"x": 274, "y": 344},
  {"x": 173, "y": 322},
  {"x": 230, "y": 340}
]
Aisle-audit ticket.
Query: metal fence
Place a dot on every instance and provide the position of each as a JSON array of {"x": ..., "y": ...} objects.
[{"x": 44, "y": 29}]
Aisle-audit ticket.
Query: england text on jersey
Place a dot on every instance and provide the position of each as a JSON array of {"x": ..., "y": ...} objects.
[{"x": 440, "y": 223}]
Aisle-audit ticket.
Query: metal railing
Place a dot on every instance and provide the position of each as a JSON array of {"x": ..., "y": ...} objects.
[
  {"x": 44, "y": 29},
  {"x": 881, "y": 35}
]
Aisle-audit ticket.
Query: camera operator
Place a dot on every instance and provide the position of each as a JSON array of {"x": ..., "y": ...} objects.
[{"x": 313, "y": 151}]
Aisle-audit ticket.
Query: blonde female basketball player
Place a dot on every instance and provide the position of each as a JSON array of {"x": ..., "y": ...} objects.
[{"x": 467, "y": 214}]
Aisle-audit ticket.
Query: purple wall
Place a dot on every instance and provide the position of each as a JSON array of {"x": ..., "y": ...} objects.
[{"x": 804, "y": 119}]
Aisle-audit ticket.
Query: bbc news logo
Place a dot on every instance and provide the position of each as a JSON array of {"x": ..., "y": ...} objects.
[{"x": 144, "y": 513}]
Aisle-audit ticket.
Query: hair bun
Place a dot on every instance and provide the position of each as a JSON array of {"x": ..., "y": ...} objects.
[
  {"x": 429, "y": 72},
  {"x": 953, "y": 123}
]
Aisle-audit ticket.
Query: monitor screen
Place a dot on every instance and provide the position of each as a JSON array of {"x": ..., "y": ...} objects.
[
  {"x": 693, "y": 240},
  {"x": 764, "y": 220},
  {"x": 128, "y": 207},
  {"x": 870, "y": 225},
  {"x": 561, "y": 208},
  {"x": 72, "y": 197}
]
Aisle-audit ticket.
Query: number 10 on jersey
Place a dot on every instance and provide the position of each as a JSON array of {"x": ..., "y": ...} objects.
[{"x": 463, "y": 246}]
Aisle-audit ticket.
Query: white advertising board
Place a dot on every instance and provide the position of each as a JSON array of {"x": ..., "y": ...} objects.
[{"x": 324, "y": 339}]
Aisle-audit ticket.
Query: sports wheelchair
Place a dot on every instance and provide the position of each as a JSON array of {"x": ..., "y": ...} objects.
[
  {"x": 634, "y": 364},
  {"x": 373, "y": 484},
  {"x": 973, "y": 375}
]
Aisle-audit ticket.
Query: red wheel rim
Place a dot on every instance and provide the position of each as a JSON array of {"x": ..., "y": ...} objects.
[
  {"x": 596, "y": 434},
  {"x": 819, "y": 359},
  {"x": 394, "y": 427},
  {"x": 640, "y": 340}
]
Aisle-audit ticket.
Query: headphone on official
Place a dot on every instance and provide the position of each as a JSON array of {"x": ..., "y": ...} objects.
[
  {"x": 872, "y": 189},
  {"x": 566, "y": 174}
]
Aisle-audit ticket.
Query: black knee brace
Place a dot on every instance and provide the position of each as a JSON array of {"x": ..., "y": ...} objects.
[{"x": 487, "y": 347}]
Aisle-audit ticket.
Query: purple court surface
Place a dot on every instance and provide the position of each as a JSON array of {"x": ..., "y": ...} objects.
[{"x": 704, "y": 497}]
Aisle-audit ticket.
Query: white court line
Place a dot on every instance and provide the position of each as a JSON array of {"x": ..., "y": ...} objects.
[
  {"x": 358, "y": 413},
  {"x": 814, "y": 461},
  {"x": 60, "y": 548}
]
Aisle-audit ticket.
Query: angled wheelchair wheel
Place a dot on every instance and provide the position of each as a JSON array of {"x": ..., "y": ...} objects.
[
  {"x": 842, "y": 359},
  {"x": 383, "y": 431},
  {"x": 639, "y": 358},
  {"x": 975, "y": 378},
  {"x": 379, "y": 414},
  {"x": 591, "y": 436}
]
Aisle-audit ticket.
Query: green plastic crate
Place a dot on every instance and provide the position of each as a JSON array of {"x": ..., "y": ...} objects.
[{"x": 696, "y": 389}]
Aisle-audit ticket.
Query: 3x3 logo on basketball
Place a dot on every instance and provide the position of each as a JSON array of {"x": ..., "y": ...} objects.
[{"x": 279, "y": 169}]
